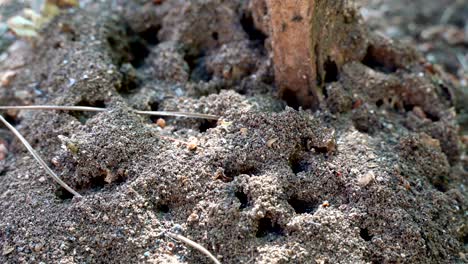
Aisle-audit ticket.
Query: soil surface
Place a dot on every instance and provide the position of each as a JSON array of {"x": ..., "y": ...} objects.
[
  {"x": 437, "y": 29},
  {"x": 378, "y": 175}
]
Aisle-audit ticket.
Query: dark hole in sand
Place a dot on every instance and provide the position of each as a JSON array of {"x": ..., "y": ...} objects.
[
  {"x": 267, "y": 227},
  {"x": 197, "y": 66},
  {"x": 13, "y": 120},
  {"x": 410, "y": 107},
  {"x": 207, "y": 124},
  {"x": 440, "y": 184},
  {"x": 291, "y": 99},
  {"x": 130, "y": 80},
  {"x": 239, "y": 169},
  {"x": 379, "y": 103},
  {"x": 396, "y": 104},
  {"x": 162, "y": 208},
  {"x": 97, "y": 183},
  {"x": 446, "y": 93},
  {"x": 63, "y": 194},
  {"x": 154, "y": 106},
  {"x": 243, "y": 199},
  {"x": 215, "y": 36},
  {"x": 321, "y": 150},
  {"x": 377, "y": 62},
  {"x": 302, "y": 206},
  {"x": 94, "y": 185},
  {"x": 252, "y": 32},
  {"x": 331, "y": 71},
  {"x": 377, "y": 260},
  {"x": 120, "y": 180},
  {"x": 138, "y": 52},
  {"x": 150, "y": 35},
  {"x": 57, "y": 45},
  {"x": 112, "y": 41},
  {"x": 83, "y": 116},
  {"x": 298, "y": 164},
  {"x": 364, "y": 233}
]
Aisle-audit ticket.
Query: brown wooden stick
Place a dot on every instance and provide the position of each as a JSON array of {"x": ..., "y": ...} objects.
[
  {"x": 311, "y": 40},
  {"x": 291, "y": 36}
]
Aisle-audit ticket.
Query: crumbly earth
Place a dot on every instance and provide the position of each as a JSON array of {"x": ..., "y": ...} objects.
[
  {"x": 377, "y": 176},
  {"x": 435, "y": 28}
]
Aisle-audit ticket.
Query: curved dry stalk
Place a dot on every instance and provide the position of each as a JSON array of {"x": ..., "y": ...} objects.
[
  {"x": 54, "y": 107},
  {"x": 38, "y": 158},
  {"x": 99, "y": 109},
  {"x": 194, "y": 245},
  {"x": 178, "y": 114}
]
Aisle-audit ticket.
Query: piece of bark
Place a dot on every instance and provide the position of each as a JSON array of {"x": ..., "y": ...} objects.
[{"x": 311, "y": 40}]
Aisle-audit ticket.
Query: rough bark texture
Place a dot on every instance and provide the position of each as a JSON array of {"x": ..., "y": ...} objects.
[{"x": 311, "y": 40}]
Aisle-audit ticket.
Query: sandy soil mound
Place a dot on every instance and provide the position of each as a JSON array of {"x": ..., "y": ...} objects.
[{"x": 375, "y": 177}]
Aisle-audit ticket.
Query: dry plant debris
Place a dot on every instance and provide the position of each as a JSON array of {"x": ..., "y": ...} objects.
[
  {"x": 38, "y": 158},
  {"x": 99, "y": 109}
]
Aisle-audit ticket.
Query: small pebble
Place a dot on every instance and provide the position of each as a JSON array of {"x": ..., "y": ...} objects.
[
  {"x": 192, "y": 145},
  {"x": 177, "y": 228},
  {"x": 271, "y": 142},
  {"x": 429, "y": 141},
  {"x": 7, "y": 250},
  {"x": 419, "y": 112},
  {"x": 357, "y": 104},
  {"x": 37, "y": 248},
  {"x": 192, "y": 217},
  {"x": 365, "y": 179},
  {"x": 55, "y": 161},
  {"x": 6, "y": 78},
  {"x": 244, "y": 131},
  {"x": 170, "y": 246},
  {"x": 161, "y": 123},
  {"x": 3, "y": 151}
]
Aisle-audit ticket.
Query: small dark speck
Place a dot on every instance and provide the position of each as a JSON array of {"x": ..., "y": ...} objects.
[{"x": 296, "y": 18}]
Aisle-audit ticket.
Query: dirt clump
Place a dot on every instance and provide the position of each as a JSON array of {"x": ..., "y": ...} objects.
[{"x": 375, "y": 176}]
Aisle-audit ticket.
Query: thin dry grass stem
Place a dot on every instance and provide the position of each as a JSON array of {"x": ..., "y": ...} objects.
[
  {"x": 174, "y": 140},
  {"x": 54, "y": 107},
  {"x": 194, "y": 245},
  {"x": 38, "y": 158},
  {"x": 178, "y": 114},
  {"x": 99, "y": 109}
]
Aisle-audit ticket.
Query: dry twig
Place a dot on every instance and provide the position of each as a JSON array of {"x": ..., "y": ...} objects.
[
  {"x": 38, "y": 158},
  {"x": 99, "y": 109},
  {"x": 194, "y": 245}
]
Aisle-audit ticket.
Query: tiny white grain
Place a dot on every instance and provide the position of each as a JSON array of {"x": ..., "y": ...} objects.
[{"x": 365, "y": 179}]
